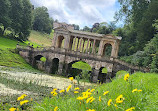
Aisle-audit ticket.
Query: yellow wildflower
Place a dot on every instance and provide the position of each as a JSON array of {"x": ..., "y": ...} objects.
[
  {"x": 12, "y": 109},
  {"x": 80, "y": 98},
  {"x": 90, "y": 110},
  {"x": 140, "y": 90},
  {"x": 88, "y": 90},
  {"x": 89, "y": 99},
  {"x": 106, "y": 92},
  {"x": 136, "y": 90},
  {"x": 76, "y": 92},
  {"x": 92, "y": 100},
  {"x": 31, "y": 99},
  {"x": 77, "y": 88},
  {"x": 61, "y": 91},
  {"x": 130, "y": 109},
  {"x": 23, "y": 102},
  {"x": 92, "y": 90},
  {"x": 119, "y": 99},
  {"x": 115, "y": 106},
  {"x": 126, "y": 77},
  {"x": 109, "y": 102},
  {"x": 21, "y": 97},
  {"x": 100, "y": 98},
  {"x": 55, "y": 109},
  {"x": 71, "y": 78},
  {"x": 54, "y": 89},
  {"x": 68, "y": 88}
]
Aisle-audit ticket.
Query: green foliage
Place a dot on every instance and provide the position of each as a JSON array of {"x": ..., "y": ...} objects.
[
  {"x": 104, "y": 70},
  {"x": 82, "y": 65},
  {"x": 145, "y": 100},
  {"x": 43, "y": 59},
  {"x": 42, "y": 21}
]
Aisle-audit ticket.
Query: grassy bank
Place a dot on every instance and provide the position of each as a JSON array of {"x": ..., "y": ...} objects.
[{"x": 139, "y": 92}]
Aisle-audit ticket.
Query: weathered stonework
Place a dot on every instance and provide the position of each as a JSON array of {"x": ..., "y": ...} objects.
[{"x": 60, "y": 56}]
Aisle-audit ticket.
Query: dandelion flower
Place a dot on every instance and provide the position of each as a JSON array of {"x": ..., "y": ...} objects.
[
  {"x": 89, "y": 99},
  {"x": 92, "y": 90},
  {"x": 77, "y": 88},
  {"x": 12, "y": 109},
  {"x": 140, "y": 90},
  {"x": 99, "y": 98},
  {"x": 106, "y": 92},
  {"x": 136, "y": 90},
  {"x": 80, "y": 98},
  {"x": 120, "y": 99},
  {"x": 68, "y": 88},
  {"x": 71, "y": 78},
  {"x": 76, "y": 92},
  {"x": 130, "y": 109},
  {"x": 109, "y": 102},
  {"x": 115, "y": 106},
  {"x": 23, "y": 102},
  {"x": 21, "y": 97},
  {"x": 92, "y": 100},
  {"x": 61, "y": 91},
  {"x": 55, "y": 109},
  {"x": 126, "y": 77}
]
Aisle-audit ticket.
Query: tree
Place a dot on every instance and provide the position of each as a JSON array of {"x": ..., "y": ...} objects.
[
  {"x": 4, "y": 14},
  {"x": 16, "y": 14},
  {"x": 42, "y": 21},
  {"x": 26, "y": 19},
  {"x": 87, "y": 29}
]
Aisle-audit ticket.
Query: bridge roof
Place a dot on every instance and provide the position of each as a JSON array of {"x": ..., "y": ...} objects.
[{"x": 90, "y": 33}]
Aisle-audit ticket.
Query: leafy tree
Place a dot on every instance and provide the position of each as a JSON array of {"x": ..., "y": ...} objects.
[
  {"x": 42, "y": 21},
  {"x": 16, "y": 14},
  {"x": 26, "y": 19},
  {"x": 87, "y": 29},
  {"x": 4, "y": 14}
]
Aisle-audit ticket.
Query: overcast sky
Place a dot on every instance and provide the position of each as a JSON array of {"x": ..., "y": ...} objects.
[{"x": 81, "y": 12}]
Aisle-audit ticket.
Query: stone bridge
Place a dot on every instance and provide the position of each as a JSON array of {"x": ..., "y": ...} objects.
[{"x": 70, "y": 46}]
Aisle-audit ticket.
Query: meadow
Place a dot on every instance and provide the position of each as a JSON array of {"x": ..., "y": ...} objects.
[{"x": 136, "y": 91}]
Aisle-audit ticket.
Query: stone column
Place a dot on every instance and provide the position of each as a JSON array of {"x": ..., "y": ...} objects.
[
  {"x": 77, "y": 43},
  {"x": 83, "y": 45},
  {"x": 60, "y": 68},
  {"x": 67, "y": 42},
  {"x": 94, "y": 75},
  {"x": 93, "y": 49},
  {"x": 115, "y": 48},
  {"x": 74, "y": 44},
  {"x": 90, "y": 46},
  {"x": 80, "y": 44},
  {"x": 101, "y": 47},
  {"x": 87, "y": 45}
]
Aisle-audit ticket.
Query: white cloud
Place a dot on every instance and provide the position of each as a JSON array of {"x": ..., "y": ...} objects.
[{"x": 81, "y": 12}]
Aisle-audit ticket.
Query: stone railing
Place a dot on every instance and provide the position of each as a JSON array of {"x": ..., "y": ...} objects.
[{"x": 132, "y": 66}]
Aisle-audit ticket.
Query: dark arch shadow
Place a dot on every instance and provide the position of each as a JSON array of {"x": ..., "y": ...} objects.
[
  {"x": 36, "y": 60},
  {"x": 60, "y": 41},
  {"x": 55, "y": 65},
  {"x": 102, "y": 76},
  {"x": 73, "y": 71},
  {"x": 107, "y": 50}
]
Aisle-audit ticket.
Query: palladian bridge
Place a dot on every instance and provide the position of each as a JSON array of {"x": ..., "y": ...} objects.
[{"x": 70, "y": 46}]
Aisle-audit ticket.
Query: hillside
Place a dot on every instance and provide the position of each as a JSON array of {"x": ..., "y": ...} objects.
[{"x": 40, "y": 38}]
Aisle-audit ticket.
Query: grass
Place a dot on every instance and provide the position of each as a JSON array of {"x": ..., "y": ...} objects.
[
  {"x": 40, "y": 38},
  {"x": 147, "y": 100}
]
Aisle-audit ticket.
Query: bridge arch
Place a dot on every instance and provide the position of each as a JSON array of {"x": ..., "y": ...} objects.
[
  {"x": 37, "y": 63},
  {"x": 54, "y": 65},
  {"x": 60, "y": 41},
  {"x": 76, "y": 67},
  {"x": 107, "y": 50}
]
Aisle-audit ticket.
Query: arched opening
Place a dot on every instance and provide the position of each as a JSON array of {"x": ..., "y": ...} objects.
[
  {"x": 39, "y": 62},
  {"x": 107, "y": 50},
  {"x": 60, "y": 42},
  {"x": 102, "y": 75},
  {"x": 76, "y": 68},
  {"x": 55, "y": 65}
]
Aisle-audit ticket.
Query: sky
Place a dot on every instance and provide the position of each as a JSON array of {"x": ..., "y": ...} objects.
[{"x": 80, "y": 12}]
